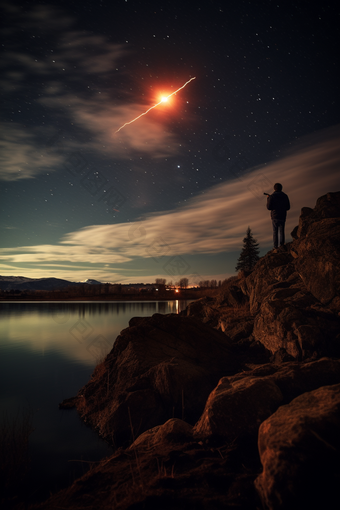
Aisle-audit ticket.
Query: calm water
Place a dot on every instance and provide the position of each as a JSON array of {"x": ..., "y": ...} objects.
[{"x": 47, "y": 353}]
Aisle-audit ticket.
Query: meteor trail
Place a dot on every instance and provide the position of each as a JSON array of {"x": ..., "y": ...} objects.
[{"x": 154, "y": 106}]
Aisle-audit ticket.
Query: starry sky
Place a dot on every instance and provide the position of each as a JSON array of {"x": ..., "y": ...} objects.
[{"x": 170, "y": 195}]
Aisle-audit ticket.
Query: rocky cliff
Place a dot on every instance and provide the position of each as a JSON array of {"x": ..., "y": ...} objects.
[
  {"x": 293, "y": 293},
  {"x": 235, "y": 402}
]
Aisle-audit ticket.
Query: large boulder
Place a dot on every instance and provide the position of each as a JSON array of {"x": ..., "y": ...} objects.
[
  {"x": 205, "y": 309},
  {"x": 317, "y": 249},
  {"x": 236, "y": 409},
  {"x": 240, "y": 403},
  {"x": 276, "y": 323},
  {"x": 231, "y": 294},
  {"x": 237, "y": 327},
  {"x": 317, "y": 259},
  {"x": 299, "y": 447},
  {"x": 273, "y": 269},
  {"x": 160, "y": 367},
  {"x": 327, "y": 206},
  {"x": 292, "y": 319}
]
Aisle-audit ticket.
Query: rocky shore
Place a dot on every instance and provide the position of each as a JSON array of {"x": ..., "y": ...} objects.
[{"x": 233, "y": 403}]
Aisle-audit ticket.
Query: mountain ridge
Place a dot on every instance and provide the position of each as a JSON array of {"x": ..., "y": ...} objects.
[{"x": 25, "y": 283}]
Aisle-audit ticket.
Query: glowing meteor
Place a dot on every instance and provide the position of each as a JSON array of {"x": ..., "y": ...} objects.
[{"x": 163, "y": 100}]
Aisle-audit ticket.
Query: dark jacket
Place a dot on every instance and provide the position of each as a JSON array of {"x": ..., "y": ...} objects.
[{"x": 278, "y": 204}]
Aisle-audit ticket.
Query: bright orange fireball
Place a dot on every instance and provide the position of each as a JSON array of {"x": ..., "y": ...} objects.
[{"x": 163, "y": 100}]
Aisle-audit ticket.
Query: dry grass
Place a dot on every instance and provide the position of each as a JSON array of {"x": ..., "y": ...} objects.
[{"x": 14, "y": 466}]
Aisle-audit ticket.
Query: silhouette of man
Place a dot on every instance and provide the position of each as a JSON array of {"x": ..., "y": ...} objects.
[{"x": 278, "y": 204}]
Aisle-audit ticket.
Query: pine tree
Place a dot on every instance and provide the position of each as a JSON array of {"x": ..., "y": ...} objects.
[{"x": 249, "y": 254}]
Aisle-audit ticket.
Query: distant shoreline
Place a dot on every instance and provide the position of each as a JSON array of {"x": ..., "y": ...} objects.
[{"x": 30, "y": 299}]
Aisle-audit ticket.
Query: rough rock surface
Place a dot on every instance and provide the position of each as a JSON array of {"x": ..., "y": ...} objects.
[
  {"x": 299, "y": 448},
  {"x": 153, "y": 374},
  {"x": 236, "y": 409},
  {"x": 240, "y": 403},
  {"x": 320, "y": 247},
  {"x": 174, "y": 430}
]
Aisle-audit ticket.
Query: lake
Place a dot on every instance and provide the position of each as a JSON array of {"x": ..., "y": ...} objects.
[{"x": 48, "y": 351}]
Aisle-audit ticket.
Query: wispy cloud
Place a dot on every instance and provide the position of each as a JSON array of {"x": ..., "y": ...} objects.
[
  {"x": 21, "y": 156},
  {"x": 44, "y": 18},
  {"x": 57, "y": 84},
  {"x": 74, "y": 253},
  {"x": 214, "y": 222},
  {"x": 217, "y": 220},
  {"x": 100, "y": 118}
]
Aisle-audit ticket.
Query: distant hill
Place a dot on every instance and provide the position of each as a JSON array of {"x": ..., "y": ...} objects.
[{"x": 23, "y": 283}]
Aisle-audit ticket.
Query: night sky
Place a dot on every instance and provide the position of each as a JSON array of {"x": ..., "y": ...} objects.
[{"x": 170, "y": 195}]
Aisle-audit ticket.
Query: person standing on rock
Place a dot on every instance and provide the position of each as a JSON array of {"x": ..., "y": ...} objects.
[{"x": 278, "y": 203}]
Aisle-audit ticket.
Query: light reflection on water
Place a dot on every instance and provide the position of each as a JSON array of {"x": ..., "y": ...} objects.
[
  {"x": 47, "y": 353},
  {"x": 81, "y": 331}
]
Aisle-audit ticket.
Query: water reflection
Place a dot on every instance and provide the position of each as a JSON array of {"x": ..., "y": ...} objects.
[
  {"x": 65, "y": 309},
  {"x": 81, "y": 331},
  {"x": 47, "y": 353}
]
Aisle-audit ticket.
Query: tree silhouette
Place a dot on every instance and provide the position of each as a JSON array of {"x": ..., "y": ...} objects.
[
  {"x": 183, "y": 283},
  {"x": 249, "y": 254},
  {"x": 160, "y": 281}
]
